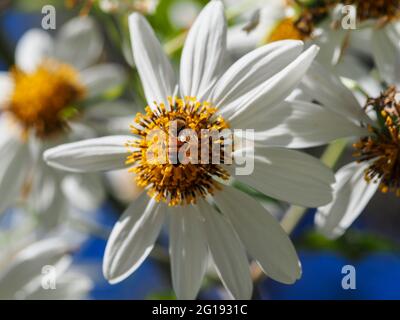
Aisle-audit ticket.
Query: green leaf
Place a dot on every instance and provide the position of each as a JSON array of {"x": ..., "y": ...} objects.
[
  {"x": 68, "y": 112},
  {"x": 114, "y": 92}
]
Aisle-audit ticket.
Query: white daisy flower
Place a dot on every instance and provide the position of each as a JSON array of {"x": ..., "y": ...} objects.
[
  {"x": 241, "y": 96},
  {"x": 377, "y": 26},
  {"x": 43, "y": 100},
  {"x": 23, "y": 272},
  {"x": 376, "y": 128},
  {"x": 143, "y": 6}
]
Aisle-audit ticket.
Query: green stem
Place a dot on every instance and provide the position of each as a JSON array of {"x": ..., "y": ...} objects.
[
  {"x": 175, "y": 44},
  {"x": 113, "y": 30},
  {"x": 330, "y": 157},
  {"x": 292, "y": 218},
  {"x": 5, "y": 52},
  {"x": 333, "y": 153},
  {"x": 88, "y": 227}
]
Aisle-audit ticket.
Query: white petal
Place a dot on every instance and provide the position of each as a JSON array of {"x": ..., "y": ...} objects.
[
  {"x": 56, "y": 212},
  {"x": 188, "y": 251},
  {"x": 100, "y": 154},
  {"x": 102, "y": 78},
  {"x": 275, "y": 90},
  {"x": 204, "y": 51},
  {"x": 154, "y": 68},
  {"x": 79, "y": 42},
  {"x": 239, "y": 41},
  {"x": 261, "y": 234},
  {"x": 6, "y": 87},
  {"x": 46, "y": 198},
  {"x": 299, "y": 124},
  {"x": 290, "y": 176},
  {"x": 227, "y": 252},
  {"x": 132, "y": 238},
  {"x": 250, "y": 72},
  {"x": 351, "y": 195},
  {"x": 34, "y": 46},
  {"x": 327, "y": 89},
  {"x": 386, "y": 50},
  {"x": 15, "y": 161},
  {"x": 43, "y": 187},
  {"x": 351, "y": 67},
  {"x": 85, "y": 191}
]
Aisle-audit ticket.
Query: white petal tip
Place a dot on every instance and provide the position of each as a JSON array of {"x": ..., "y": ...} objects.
[
  {"x": 290, "y": 277},
  {"x": 47, "y": 155}
]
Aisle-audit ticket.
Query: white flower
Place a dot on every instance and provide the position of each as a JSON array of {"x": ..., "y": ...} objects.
[
  {"x": 376, "y": 33},
  {"x": 183, "y": 13},
  {"x": 253, "y": 31},
  {"x": 376, "y": 166},
  {"x": 244, "y": 95},
  {"x": 41, "y": 100},
  {"x": 143, "y": 6},
  {"x": 22, "y": 272}
]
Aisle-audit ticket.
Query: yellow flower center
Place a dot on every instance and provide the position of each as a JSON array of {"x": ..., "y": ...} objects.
[
  {"x": 162, "y": 156},
  {"x": 41, "y": 101},
  {"x": 382, "y": 147}
]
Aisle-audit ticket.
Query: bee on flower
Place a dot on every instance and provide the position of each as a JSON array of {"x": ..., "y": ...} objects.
[{"x": 369, "y": 28}]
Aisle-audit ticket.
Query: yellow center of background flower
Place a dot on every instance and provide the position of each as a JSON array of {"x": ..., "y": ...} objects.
[
  {"x": 311, "y": 13},
  {"x": 382, "y": 147},
  {"x": 169, "y": 180},
  {"x": 42, "y": 100}
]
